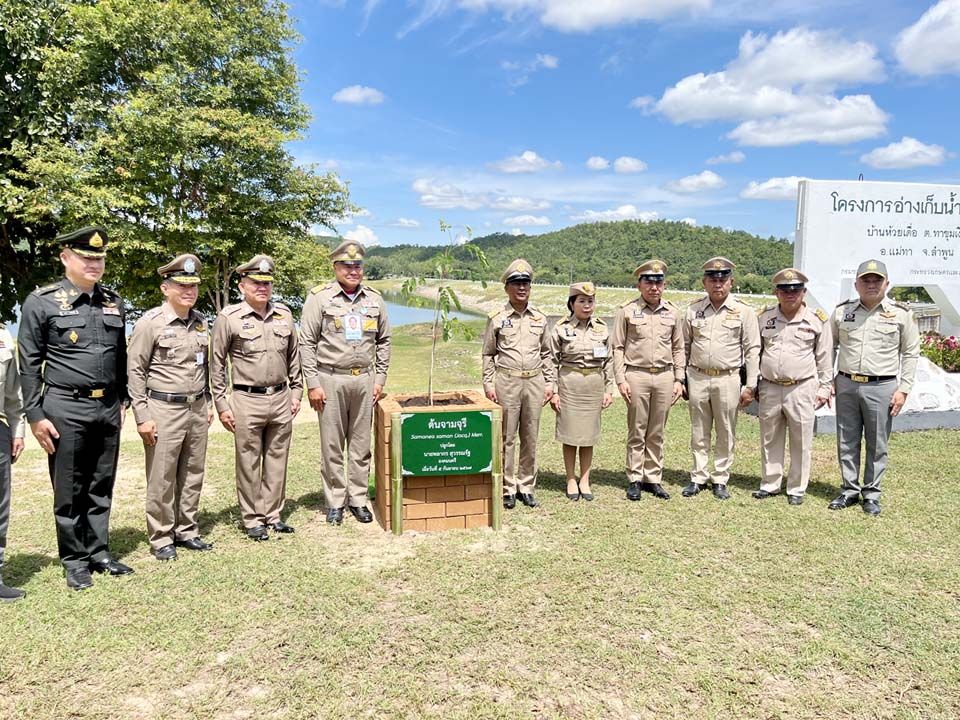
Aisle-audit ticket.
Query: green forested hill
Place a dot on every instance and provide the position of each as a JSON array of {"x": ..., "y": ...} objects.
[{"x": 607, "y": 253}]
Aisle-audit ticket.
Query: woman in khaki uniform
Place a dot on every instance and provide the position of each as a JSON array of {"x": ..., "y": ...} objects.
[{"x": 580, "y": 352}]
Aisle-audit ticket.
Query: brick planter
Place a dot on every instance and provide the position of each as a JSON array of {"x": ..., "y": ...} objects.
[{"x": 407, "y": 501}]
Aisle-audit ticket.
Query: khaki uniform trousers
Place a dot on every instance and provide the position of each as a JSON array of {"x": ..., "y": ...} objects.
[
  {"x": 347, "y": 418},
  {"x": 783, "y": 410},
  {"x": 650, "y": 398},
  {"x": 713, "y": 401},
  {"x": 522, "y": 402},
  {"x": 262, "y": 442},
  {"x": 175, "y": 470}
]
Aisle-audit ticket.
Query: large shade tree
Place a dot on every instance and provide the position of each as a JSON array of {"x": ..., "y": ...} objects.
[{"x": 168, "y": 121}]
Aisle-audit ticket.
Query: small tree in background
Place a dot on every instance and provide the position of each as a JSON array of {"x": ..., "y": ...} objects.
[{"x": 446, "y": 264}]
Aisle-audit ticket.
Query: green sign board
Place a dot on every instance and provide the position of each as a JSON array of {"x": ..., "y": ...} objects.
[{"x": 446, "y": 443}]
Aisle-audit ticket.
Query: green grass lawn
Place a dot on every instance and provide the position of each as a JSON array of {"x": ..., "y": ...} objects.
[{"x": 690, "y": 608}]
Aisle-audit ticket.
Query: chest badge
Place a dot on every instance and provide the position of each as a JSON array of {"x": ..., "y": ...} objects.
[
  {"x": 700, "y": 315},
  {"x": 73, "y": 336},
  {"x": 850, "y": 317},
  {"x": 772, "y": 323}
]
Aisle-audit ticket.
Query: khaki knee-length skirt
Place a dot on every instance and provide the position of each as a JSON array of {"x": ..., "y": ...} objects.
[{"x": 581, "y": 402}]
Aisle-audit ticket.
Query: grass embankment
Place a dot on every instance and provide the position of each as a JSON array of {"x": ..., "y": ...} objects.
[{"x": 691, "y": 608}]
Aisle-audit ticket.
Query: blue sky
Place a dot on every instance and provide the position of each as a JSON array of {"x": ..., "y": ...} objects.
[{"x": 487, "y": 112}]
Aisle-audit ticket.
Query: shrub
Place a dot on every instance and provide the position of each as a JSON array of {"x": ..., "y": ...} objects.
[{"x": 944, "y": 351}]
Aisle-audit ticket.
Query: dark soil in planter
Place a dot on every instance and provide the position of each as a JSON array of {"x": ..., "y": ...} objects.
[{"x": 424, "y": 401}]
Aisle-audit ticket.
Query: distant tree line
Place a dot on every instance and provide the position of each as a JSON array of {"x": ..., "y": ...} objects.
[{"x": 607, "y": 254}]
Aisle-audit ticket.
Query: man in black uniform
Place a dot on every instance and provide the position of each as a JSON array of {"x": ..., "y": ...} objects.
[{"x": 73, "y": 361}]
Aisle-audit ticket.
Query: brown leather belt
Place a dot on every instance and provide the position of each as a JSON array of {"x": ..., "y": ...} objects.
[
  {"x": 253, "y": 389},
  {"x": 520, "y": 373},
  {"x": 868, "y": 378},
  {"x": 785, "y": 383},
  {"x": 652, "y": 370},
  {"x": 346, "y": 371},
  {"x": 714, "y": 372}
]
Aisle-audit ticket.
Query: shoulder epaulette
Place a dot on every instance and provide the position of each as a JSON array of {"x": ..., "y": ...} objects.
[
  {"x": 231, "y": 309},
  {"x": 599, "y": 321},
  {"x": 537, "y": 313},
  {"x": 671, "y": 305},
  {"x": 493, "y": 313},
  {"x": 767, "y": 309},
  {"x": 150, "y": 314},
  {"x": 821, "y": 315},
  {"x": 46, "y": 289},
  {"x": 902, "y": 306},
  {"x": 628, "y": 302},
  {"x": 317, "y": 288},
  {"x": 367, "y": 288},
  {"x": 847, "y": 301}
]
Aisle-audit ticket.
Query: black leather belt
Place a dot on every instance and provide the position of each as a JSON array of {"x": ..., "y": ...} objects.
[
  {"x": 868, "y": 378},
  {"x": 173, "y": 397},
  {"x": 85, "y": 393},
  {"x": 270, "y": 390}
]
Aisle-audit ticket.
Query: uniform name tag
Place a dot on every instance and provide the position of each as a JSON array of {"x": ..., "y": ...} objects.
[
  {"x": 600, "y": 351},
  {"x": 69, "y": 312},
  {"x": 111, "y": 311},
  {"x": 200, "y": 357},
  {"x": 353, "y": 326}
]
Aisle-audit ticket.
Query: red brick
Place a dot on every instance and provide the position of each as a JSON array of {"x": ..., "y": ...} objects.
[
  {"x": 424, "y": 482},
  {"x": 468, "y": 507},
  {"x": 414, "y": 525},
  {"x": 411, "y": 497},
  {"x": 478, "y": 479},
  {"x": 444, "y": 494},
  {"x": 481, "y": 520},
  {"x": 457, "y": 479},
  {"x": 446, "y": 523},
  {"x": 425, "y": 510},
  {"x": 476, "y": 492}
]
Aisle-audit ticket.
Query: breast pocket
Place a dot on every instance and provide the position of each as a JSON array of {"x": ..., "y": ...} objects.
[
  {"x": 281, "y": 337},
  {"x": 168, "y": 350},
  {"x": 666, "y": 326},
  {"x": 889, "y": 334},
  {"x": 251, "y": 341},
  {"x": 698, "y": 328},
  {"x": 332, "y": 319},
  {"x": 508, "y": 337},
  {"x": 371, "y": 320},
  {"x": 637, "y": 328},
  {"x": 732, "y": 328},
  {"x": 72, "y": 331}
]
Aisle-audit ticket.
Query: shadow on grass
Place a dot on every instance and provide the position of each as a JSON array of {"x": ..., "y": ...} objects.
[
  {"x": 19, "y": 568},
  {"x": 125, "y": 540},
  {"x": 309, "y": 501}
]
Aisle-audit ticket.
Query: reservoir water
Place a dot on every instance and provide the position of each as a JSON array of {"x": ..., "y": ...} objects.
[{"x": 406, "y": 315}]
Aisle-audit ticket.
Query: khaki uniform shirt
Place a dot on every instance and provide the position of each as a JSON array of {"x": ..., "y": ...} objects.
[
  {"x": 578, "y": 344},
  {"x": 516, "y": 340},
  {"x": 647, "y": 337},
  {"x": 722, "y": 339},
  {"x": 167, "y": 354},
  {"x": 882, "y": 341},
  {"x": 11, "y": 411},
  {"x": 262, "y": 351},
  {"x": 342, "y": 333},
  {"x": 797, "y": 349}
]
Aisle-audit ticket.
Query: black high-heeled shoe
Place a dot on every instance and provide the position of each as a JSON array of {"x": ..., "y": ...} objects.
[{"x": 586, "y": 496}]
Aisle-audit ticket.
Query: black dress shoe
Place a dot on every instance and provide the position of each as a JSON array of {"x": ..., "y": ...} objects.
[
  {"x": 258, "y": 533},
  {"x": 795, "y": 499},
  {"x": 573, "y": 496},
  {"x": 843, "y": 501},
  {"x": 10, "y": 594},
  {"x": 720, "y": 492},
  {"x": 79, "y": 579},
  {"x": 281, "y": 527},
  {"x": 763, "y": 494},
  {"x": 509, "y": 502},
  {"x": 167, "y": 552},
  {"x": 110, "y": 566},
  {"x": 871, "y": 507},
  {"x": 656, "y": 489},
  {"x": 587, "y": 496},
  {"x": 362, "y": 513},
  {"x": 335, "y": 516},
  {"x": 528, "y": 499},
  {"x": 194, "y": 543},
  {"x": 691, "y": 489},
  {"x": 633, "y": 491}
]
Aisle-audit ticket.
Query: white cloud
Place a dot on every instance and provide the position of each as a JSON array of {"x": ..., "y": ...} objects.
[
  {"x": 907, "y": 153},
  {"x": 516, "y": 231},
  {"x": 362, "y": 234},
  {"x": 598, "y": 163},
  {"x": 626, "y": 164},
  {"x": 778, "y": 188},
  {"x": 351, "y": 218},
  {"x": 688, "y": 221},
  {"x": 730, "y": 158},
  {"x": 358, "y": 95},
  {"x": 523, "y": 70},
  {"x": 526, "y": 162},
  {"x": 583, "y": 16},
  {"x": 624, "y": 212},
  {"x": 643, "y": 102},
  {"x": 929, "y": 46},
  {"x": 548, "y": 62},
  {"x": 780, "y": 100},
  {"x": 446, "y": 196},
  {"x": 527, "y": 220},
  {"x": 408, "y": 223},
  {"x": 516, "y": 203},
  {"x": 706, "y": 180}
]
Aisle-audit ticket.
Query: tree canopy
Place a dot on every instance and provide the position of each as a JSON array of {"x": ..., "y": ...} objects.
[
  {"x": 167, "y": 121},
  {"x": 607, "y": 254}
]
